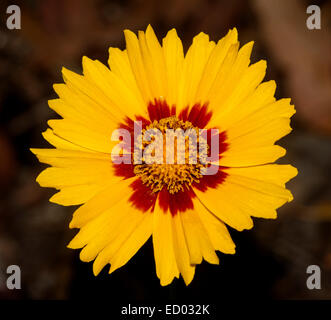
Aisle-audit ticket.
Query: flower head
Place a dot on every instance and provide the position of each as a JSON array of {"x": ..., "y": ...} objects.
[{"x": 167, "y": 145}]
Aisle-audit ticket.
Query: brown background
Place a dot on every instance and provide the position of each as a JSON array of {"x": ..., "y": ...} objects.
[{"x": 272, "y": 258}]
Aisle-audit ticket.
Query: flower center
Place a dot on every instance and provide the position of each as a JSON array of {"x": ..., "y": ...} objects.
[{"x": 175, "y": 153}]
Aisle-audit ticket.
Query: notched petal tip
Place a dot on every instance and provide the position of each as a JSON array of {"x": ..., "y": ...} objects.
[
  {"x": 150, "y": 29},
  {"x": 233, "y": 250},
  {"x": 187, "y": 281},
  {"x": 70, "y": 246},
  {"x": 97, "y": 268},
  {"x": 74, "y": 243},
  {"x": 57, "y": 87},
  {"x": 46, "y": 133},
  {"x": 39, "y": 179},
  {"x": 86, "y": 59},
  {"x": 34, "y": 150},
  {"x": 172, "y": 32},
  {"x": 166, "y": 282},
  {"x": 128, "y": 34},
  {"x": 290, "y": 198},
  {"x": 294, "y": 171},
  {"x": 262, "y": 64},
  {"x": 250, "y": 225},
  {"x": 213, "y": 259},
  {"x": 58, "y": 199},
  {"x": 86, "y": 62},
  {"x": 248, "y": 47},
  {"x": 95, "y": 271},
  {"x": 201, "y": 37},
  {"x": 73, "y": 224},
  {"x": 52, "y": 199},
  {"x": 64, "y": 71},
  {"x": 272, "y": 85}
]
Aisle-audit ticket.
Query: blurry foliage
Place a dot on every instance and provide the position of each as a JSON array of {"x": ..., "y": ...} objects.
[{"x": 272, "y": 258}]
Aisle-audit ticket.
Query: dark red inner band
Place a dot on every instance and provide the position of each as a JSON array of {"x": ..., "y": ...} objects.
[{"x": 142, "y": 196}]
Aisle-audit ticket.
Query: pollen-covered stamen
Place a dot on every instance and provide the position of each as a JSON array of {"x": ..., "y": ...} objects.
[
  {"x": 172, "y": 176},
  {"x": 186, "y": 165}
]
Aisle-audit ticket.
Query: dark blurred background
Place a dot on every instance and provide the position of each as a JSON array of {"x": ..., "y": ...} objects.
[{"x": 272, "y": 258}]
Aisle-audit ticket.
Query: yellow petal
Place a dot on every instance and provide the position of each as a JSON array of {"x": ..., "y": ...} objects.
[
  {"x": 119, "y": 64},
  {"x": 82, "y": 135},
  {"x": 163, "y": 243},
  {"x": 258, "y": 99},
  {"x": 251, "y": 142},
  {"x": 154, "y": 62},
  {"x": 113, "y": 193},
  {"x": 131, "y": 233},
  {"x": 59, "y": 142},
  {"x": 90, "y": 92},
  {"x": 257, "y": 136},
  {"x": 137, "y": 65},
  {"x": 174, "y": 59},
  {"x": 278, "y": 174},
  {"x": 251, "y": 156},
  {"x": 181, "y": 251},
  {"x": 65, "y": 158},
  {"x": 89, "y": 172},
  {"x": 259, "y": 191},
  {"x": 80, "y": 107},
  {"x": 222, "y": 76},
  {"x": 75, "y": 195},
  {"x": 237, "y": 89},
  {"x": 230, "y": 74},
  {"x": 100, "y": 228},
  {"x": 242, "y": 194},
  {"x": 194, "y": 65},
  {"x": 124, "y": 101},
  {"x": 216, "y": 229},
  {"x": 197, "y": 239},
  {"x": 218, "y": 201},
  {"x": 260, "y": 185},
  {"x": 132, "y": 244},
  {"x": 213, "y": 65}
]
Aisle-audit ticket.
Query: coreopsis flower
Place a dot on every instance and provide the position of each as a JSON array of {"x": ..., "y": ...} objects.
[{"x": 125, "y": 201}]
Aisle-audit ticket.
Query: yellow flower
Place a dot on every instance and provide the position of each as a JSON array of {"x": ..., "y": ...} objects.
[{"x": 186, "y": 212}]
